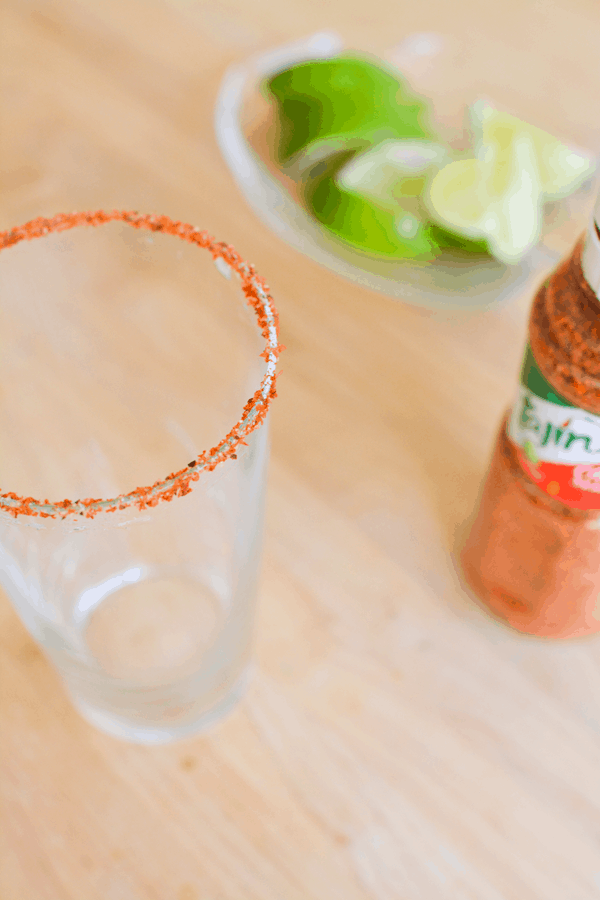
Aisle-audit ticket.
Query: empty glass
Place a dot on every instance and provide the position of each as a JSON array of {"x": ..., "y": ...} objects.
[{"x": 126, "y": 352}]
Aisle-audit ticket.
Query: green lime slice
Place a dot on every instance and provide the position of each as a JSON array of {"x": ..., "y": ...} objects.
[
  {"x": 341, "y": 102},
  {"x": 561, "y": 169},
  {"x": 459, "y": 198},
  {"x": 394, "y": 175},
  {"x": 392, "y": 172},
  {"x": 374, "y": 229},
  {"x": 328, "y": 113},
  {"x": 362, "y": 223},
  {"x": 497, "y": 199}
]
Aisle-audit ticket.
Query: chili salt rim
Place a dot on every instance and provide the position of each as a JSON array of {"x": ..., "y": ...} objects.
[{"x": 177, "y": 484}]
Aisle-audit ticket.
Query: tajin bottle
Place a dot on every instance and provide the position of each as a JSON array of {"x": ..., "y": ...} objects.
[{"x": 533, "y": 551}]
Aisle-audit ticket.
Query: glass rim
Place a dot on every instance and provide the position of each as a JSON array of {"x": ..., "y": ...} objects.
[{"x": 176, "y": 484}]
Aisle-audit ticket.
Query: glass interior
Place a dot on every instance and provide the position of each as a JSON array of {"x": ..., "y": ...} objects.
[{"x": 123, "y": 355}]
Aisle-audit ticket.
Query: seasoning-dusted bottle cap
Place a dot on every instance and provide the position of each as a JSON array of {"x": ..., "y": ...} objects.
[{"x": 590, "y": 258}]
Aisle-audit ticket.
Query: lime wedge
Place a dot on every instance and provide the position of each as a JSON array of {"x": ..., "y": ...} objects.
[
  {"x": 391, "y": 172},
  {"x": 394, "y": 176},
  {"x": 497, "y": 199},
  {"x": 561, "y": 168},
  {"x": 515, "y": 220},
  {"x": 499, "y": 195},
  {"x": 342, "y": 102},
  {"x": 458, "y": 197},
  {"x": 365, "y": 225}
]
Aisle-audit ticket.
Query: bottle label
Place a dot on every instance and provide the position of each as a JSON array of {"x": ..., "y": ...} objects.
[{"x": 558, "y": 445}]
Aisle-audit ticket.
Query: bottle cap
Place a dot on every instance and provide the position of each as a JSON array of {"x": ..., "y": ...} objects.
[{"x": 590, "y": 257}]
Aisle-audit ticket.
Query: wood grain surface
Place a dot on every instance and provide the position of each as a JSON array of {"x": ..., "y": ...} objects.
[{"x": 396, "y": 742}]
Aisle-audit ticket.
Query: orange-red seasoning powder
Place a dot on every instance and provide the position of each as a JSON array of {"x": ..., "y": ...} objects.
[{"x": 533, "y": 551}]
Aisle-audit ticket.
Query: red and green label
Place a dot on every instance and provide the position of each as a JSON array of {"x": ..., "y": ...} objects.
[{"x": 558, "y": 445}]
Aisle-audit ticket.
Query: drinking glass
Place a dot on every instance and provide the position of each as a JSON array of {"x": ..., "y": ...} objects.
[{"x": 131, "y": 344}]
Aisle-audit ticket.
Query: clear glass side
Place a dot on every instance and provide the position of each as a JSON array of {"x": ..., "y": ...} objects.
[{"x": 148, "y": 618}]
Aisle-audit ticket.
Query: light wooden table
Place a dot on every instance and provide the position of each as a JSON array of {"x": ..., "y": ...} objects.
[{"x": 396, "y": 743}]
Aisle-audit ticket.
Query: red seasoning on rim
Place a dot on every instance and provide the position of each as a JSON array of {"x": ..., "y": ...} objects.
[{"x": 177, "y": 484}]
